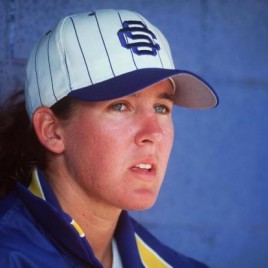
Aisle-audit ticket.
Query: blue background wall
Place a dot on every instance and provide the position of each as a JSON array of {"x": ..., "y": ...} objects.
[{"x": 213, "y": 205}]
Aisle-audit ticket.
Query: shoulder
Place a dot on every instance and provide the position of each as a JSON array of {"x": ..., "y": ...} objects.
[
  {"x": 17, "y": 229},
  {"x": 14, "y": 214},
  {"x": 22, "y": 240},
  {"x": 150, "y": 245},
  {"x": 10, "y": 208}
]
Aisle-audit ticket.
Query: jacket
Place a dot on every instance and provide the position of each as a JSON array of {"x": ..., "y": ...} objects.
[{"x": 35, "y": 232}]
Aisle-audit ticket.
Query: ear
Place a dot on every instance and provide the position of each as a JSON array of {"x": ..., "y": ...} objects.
[{"x": 48, "y": 130}]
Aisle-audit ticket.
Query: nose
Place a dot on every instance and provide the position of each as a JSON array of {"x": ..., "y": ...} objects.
[{"x": 149, "y": 130}]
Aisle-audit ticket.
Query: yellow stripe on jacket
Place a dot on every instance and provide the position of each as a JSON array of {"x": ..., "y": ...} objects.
[{"x": 149, "y": 257}]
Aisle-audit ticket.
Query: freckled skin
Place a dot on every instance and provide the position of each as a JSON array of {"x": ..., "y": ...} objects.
[{"x": 104, "y": 141}]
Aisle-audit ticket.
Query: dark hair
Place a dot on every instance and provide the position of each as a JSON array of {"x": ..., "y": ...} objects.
[{"x": 20, "y": 149}]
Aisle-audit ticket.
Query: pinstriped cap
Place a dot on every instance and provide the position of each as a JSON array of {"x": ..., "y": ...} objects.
[{"x": 104, "y": 55}]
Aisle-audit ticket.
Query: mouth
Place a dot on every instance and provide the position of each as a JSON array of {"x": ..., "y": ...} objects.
[
  {"x": 143, "y": 166},
  {"x": 145, "y": 170}
]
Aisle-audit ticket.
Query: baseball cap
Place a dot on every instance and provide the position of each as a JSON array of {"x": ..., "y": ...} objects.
[{"x": 103, "y": 55}]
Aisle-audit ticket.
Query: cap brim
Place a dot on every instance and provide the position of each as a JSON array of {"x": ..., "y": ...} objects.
[{"x": 191, "y": 91}]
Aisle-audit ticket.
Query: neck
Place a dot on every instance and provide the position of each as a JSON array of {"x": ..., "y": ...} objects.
[
  {"x": 99, "y": 232},
  {"x": 97, "y": 220}
]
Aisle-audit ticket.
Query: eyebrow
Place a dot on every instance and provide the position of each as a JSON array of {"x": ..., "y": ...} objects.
[{"x": 167, "y": 96}]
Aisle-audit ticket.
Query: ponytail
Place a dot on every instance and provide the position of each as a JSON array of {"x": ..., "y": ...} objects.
[{"x": 20, "y": 149}]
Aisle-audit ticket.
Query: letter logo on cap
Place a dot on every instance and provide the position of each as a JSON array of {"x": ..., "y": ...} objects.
[{"x": 136, "y": 36}]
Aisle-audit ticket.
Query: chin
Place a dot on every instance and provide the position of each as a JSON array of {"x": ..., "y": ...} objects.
[
  {"x": 141, "y": 203},
  {"x": 140, "y": 208}
]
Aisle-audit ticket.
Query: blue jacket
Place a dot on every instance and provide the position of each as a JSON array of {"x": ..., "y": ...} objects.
[{"x": 35, "y": 232}]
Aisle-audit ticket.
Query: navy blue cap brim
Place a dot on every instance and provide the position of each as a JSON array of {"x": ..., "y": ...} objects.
[{"x": 129, "y": 83}]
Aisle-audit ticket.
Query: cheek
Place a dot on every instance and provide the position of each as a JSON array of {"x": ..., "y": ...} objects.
[
  {"x": 166, "y": 147},
  {"x": 168, "y": 132},
  {"x": 98, "y": 147}
]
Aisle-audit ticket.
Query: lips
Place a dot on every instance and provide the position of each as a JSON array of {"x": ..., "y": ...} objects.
[
  {"x": 144, "y": 166},
  {"x": 145, "y": 169}
]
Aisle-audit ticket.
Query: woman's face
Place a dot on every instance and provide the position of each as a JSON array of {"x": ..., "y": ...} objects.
[{"x": 117, "y": 151}]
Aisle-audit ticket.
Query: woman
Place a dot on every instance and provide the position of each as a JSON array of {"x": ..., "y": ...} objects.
[{"x": 99, "y": 95}]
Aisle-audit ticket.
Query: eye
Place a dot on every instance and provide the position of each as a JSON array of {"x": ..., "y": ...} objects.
[
  {"x": 161, "y": 109},
  {"x": 119, "y": 107}
]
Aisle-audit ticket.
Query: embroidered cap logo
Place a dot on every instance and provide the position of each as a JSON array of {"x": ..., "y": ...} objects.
[{"x": 136, "y": 36}]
